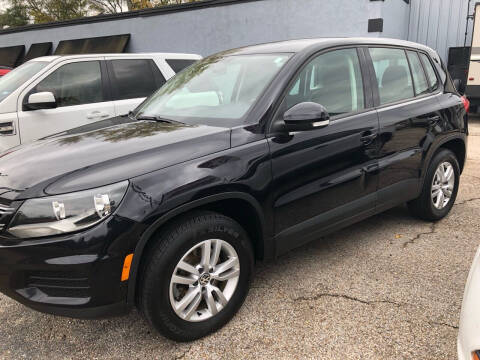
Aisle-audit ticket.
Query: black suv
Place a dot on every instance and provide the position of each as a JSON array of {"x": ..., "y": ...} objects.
[{"x": 244, "y": 155}]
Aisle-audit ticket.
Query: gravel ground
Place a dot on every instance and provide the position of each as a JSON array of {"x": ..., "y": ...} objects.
[{"x": 388, "y": 288}]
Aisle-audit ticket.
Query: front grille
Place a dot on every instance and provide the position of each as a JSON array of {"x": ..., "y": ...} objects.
[{"x": 59, "y": 284}]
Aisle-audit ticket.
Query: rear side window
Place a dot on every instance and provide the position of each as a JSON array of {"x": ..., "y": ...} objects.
[
  {"x": 431, "y": 75},
  {"x": 178, "y": 65},
  {"x": 74, "y": 84},
  {"x": 419, "y": 79},
  {"x": 393, "y": 74},
  {"x": 134, "y": 78}
]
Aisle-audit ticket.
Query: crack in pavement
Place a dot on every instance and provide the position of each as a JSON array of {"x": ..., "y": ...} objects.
[
  {"x": 443, "y": 324},
  {"x": 182, "y": 355},
  {"x": 472, "y": 176},
  {"x": 347, "y": 297},
  {"x": 434, "y": 225},
  {"x": 419, "y": 235},
  {"x": 466, "y": 201}
]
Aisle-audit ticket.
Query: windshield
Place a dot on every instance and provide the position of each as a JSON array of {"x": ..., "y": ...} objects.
[
  {"x": 15, "y": 78},
  {"x": 218, "y": 87}
]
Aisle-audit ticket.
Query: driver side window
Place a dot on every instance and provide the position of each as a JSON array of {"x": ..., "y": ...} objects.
[
  {"x": 74, "y": 84},
  {"x": 333, "y": 80}
]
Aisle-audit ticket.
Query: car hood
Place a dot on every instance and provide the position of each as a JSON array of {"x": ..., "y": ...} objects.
[{"x": 103, "y": 153}]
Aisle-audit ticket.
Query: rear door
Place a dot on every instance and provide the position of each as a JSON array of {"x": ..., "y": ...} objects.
[
  {"x": 80, "y": 89},
  {"x": 132, "y": 80},
  {"x": 408, "y": 110}
]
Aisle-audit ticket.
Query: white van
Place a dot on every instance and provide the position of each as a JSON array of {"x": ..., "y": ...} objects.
[{"x": 52, "y": 94}]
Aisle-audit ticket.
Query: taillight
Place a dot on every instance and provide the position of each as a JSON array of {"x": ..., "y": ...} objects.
[{"x": 466, "y": 103}]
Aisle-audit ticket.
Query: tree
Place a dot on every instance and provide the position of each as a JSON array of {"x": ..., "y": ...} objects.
[
  {"x": 42, "y": 11},
  {"x": 22, "y": 12},
  {"x": 15, "y": 15},
  {"x": 118, "y": 6}
]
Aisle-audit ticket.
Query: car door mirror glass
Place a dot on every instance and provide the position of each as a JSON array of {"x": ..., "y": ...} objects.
[
  {"x": 41, "y": 100},
  {"x": 306, "y": 116}
]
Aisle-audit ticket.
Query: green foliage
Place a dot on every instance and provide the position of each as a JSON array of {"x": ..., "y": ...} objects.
[
  {"x": 23, "y": 12},
  {"x": 15, "y": 15},
  {"x": 42, "y": 11}
]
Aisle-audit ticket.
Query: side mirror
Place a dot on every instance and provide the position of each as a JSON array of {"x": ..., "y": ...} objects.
[
  {"x": 458, "y": 83},
  {"x": 41, "y": 100},
  {"x": 306, "y": 116}
]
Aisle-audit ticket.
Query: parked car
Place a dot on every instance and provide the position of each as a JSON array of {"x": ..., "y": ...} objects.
[
  {"x": 244, "y": 155},
  {"x": 56, "y": 93},
  {"x": 4, "y": 70},
  {"x": 469, "y": 329}
]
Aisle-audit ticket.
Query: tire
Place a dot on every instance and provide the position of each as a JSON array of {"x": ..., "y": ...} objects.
[
  {"x": 159, "y": 293},
  {"x": 424, "y": 206}
]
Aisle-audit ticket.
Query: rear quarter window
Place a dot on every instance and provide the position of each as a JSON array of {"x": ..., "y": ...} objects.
[
  {"x": 134, "y": 78},
  {"x": 430, "y": 71},
  {"x": 419, "y": 78},
  {"x": 178, "y": 65}
]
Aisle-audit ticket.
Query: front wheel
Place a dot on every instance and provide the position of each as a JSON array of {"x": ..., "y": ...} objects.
[
  {"x": 439, "y": 189},
  {"x": 197, "y": 276}
]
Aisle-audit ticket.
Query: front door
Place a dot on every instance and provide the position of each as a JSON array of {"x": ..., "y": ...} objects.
[
  {"x": 325, "y": 177},
  {"x": 78, "y": 88}
]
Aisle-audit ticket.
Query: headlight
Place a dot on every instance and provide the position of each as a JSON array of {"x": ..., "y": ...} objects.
[{"x": 66, "y": 213}]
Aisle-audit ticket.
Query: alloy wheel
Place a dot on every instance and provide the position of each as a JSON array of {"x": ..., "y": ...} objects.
[
  {"x": 204, "y": 280},
  {"x": 443, "y": 184}
]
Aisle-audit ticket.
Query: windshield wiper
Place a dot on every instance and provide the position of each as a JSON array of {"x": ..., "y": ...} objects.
[{"x": 158, "y": 119}]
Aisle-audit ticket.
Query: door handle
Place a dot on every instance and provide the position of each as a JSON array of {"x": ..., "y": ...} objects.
[
  {"x": 368, "y": 137},
  {"x": 97, "y": 115}
]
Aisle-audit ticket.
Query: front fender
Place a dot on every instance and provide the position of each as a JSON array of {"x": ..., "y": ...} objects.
[{"x": 147, "y": 235}]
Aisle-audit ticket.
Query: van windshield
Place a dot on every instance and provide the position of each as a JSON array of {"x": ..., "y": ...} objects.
[
  {"x": 17, "y": 77},
  {"x": 218, "y": 88}
]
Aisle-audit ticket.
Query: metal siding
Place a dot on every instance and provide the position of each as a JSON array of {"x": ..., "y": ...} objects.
[{"x": 440, "y": 24}]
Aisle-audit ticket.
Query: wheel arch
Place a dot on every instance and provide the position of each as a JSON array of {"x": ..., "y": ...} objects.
[
  {"x": 458, "y": 147},
  {"x": 242, "y": 207},
  {"x": 456, "y": 143}
]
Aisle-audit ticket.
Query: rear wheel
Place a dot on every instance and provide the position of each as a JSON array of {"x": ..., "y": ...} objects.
[
  {"x": 439, "y": 189},
  {"x": 197, "y": 276}
]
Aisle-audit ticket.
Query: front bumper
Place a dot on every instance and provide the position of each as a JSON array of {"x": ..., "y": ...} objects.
[{"x": 78, "y": 275}]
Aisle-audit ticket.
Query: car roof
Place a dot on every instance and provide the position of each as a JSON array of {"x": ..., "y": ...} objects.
[
  {"x": 301, "y": 45},
  {"x": 119, "y": 55}
]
